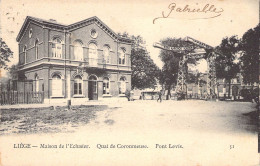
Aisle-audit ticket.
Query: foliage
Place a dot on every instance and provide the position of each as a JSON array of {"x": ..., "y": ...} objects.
[
  {"x": 249, "y": 45},
  {"x": 13, "y": 72},
  {"x": 225, "y": 64},
  {"x": 170, "y": 61},
  {"x": 4, "y": 83},
  {"x": 6, "y": 53},
  {"x": 249, "y": 94},
  {"x": 145, "y": 72},
  {"x": 191, "y": 78},
  {"x": 195, "y": 78}
]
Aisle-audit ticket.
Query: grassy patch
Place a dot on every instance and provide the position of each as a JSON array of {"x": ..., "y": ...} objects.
[{"x": 37, "y": 120}]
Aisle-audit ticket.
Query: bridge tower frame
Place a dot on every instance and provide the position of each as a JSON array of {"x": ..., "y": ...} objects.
[{"x": 209, "y": 54}]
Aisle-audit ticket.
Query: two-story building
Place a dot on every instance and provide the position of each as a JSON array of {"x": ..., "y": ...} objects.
[{"x": 85, "y": 59}]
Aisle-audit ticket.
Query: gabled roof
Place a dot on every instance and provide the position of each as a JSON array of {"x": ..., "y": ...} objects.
[{"x": 70, "y": 27}]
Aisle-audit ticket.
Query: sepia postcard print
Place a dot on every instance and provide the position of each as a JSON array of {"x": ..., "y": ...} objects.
[{"x": 129, "y": 83}]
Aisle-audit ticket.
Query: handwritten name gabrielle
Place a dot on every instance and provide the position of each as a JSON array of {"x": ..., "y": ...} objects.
[{"x": 206, "y": 9}]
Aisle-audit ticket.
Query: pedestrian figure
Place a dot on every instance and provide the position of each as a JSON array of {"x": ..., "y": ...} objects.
[{"x": 160, "y": 96}]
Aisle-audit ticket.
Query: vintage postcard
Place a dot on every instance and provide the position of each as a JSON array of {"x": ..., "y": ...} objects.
[{"x": 129, "y": 83}]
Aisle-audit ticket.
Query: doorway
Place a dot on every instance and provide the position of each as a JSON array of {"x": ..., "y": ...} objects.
[{"x": 92, "y": 88}]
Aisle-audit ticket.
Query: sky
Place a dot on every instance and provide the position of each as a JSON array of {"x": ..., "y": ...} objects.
[{"x": 136, "y": 17}]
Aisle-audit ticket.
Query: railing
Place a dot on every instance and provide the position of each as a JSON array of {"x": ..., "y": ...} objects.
[
  {"x": 92, "y": 62},
  {"x": 13, "y": 97}
]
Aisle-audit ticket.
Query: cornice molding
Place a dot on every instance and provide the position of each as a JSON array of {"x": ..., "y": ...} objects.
[{"x": 68, "y": 28}]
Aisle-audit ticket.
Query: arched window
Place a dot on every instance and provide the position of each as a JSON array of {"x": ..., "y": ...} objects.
[
  {"x": 37, "y": 85},
  {"x": 56, "y": 86},
  {"x": 121, "y": 56},
  {"x": 78, "y": 85},
  {"x": 106, "y": 86},
  {"x": 30, "y": 33},
  {"x": 106, "y": 51},
  {"x": 25, "y": 54},
  {"x": 78, "y": 51},
  {"x": 93, "y": 54},
  {"x": 56, "y": 48},
  {"x": 36, "y": 49},
  {"x": 122, "y": 85}
]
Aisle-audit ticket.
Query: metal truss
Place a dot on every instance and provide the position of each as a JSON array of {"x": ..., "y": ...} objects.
[
  {"x": 181, "y": 80},
  {"x": 211, "y": 78},
  {"x": 190, "y": 52}
]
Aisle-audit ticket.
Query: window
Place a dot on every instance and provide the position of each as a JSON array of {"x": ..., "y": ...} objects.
[
  {"x": 121, "y": 57},
  {"x": 36, "y": 49},
  {"x": 106, "y": 86},
  {"x": 78, "y": 51},
  {"x": 56, "y": 48},
  {"x": 106, "y": 51},
  {"x": 30, "y": 33},
  {"x": 56, "y": 86},
  {"x": 93, "y": 54},
  {"x": 93, "y": 33},
  {"x": 122, "y": 85},
  {"x": 78, "y": 85},
  {"x": 25, "y": 54}
]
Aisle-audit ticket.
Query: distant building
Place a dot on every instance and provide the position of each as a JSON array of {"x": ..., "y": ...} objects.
[
  {"x": 223, "y": 87},
  {"x": 236, "y": 85},
  {"x": 84, "y": 60}
]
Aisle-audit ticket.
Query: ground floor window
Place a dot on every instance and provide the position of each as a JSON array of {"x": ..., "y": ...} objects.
[
  {"x": 106, "y": 86},
  {"x": 78, "y": 85},
  {"x": 56, "y": 85},
  {"x": 122, "y": 85}
]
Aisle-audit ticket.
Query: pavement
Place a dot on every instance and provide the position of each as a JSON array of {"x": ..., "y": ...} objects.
[
  {"x": 112, "y": 101},
  {"x": 203, "y": 133}
]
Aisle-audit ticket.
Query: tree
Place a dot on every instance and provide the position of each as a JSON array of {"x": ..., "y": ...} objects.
[
  {"x": 170, "y": 60},
  {"x": 6, "y": 83},
  {"x": 145, "y": 72},
  {"x": 6, "y": 53},
  {"x": 226, "y": 68},
  {"x": 13, "y": 72},
  {"x": 249, "y": 45}
]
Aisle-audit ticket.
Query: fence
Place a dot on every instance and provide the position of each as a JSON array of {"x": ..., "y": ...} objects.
[{"x": 14, "y": 97}]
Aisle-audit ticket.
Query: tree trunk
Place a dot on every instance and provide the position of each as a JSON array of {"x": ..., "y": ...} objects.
[
  {"x": 169, "y": 92},
  {"x": 198, "y": 90},
  {"x": 229, "y": 87}
]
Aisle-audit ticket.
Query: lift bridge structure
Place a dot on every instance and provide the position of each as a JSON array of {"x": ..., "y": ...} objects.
[{"x": 195, "y": 50}]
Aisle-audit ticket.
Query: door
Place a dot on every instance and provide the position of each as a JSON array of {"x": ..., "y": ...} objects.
[{"x": 92, "y": 90}]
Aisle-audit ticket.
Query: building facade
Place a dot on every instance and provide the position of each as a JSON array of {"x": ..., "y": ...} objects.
[
  {"x": 236, "y": 85},
  {"x": 81, "y": 60}
]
